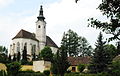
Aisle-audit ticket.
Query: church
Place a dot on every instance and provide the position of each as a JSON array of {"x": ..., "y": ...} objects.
[{"x": 33, "y": 42}]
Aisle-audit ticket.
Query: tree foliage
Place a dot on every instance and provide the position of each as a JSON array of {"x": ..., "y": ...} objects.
[
  {"x": 60, "y": 63},
  {"x": 84, "y": 47},
  {"x": 14, "y": 57},
  {"x": 4, "y": 50},
  {"x": 46, "y": 53},
  {"x": 111, "y": 51},
  {"x": 24, "y": 54},
  {"x": 13, "y": 68},
  {"x": 75, "y": 45},
  {"x": 18, "y": 56},
  {"x": 115, "y": 68},
  {"x": 111, "y": 9},
  {"x": 81, "y": 67},
  {"x": 100, "y": 58}
]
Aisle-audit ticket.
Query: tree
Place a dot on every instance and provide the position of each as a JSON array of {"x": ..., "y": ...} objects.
[
  {"x": 60, "y": 63},
  {"x": 111, "y": 51},
  {"x": 9, "y": 58},
  {"x": 100, "y": 57},
  {"x": 46, "y": 53},
  {"x": 118, "y": 48},
  {"x": 76, "y": 45},
  {"x": 3, "y": 58},
  {"x": 84, "y": 49},
  {"x": 111, "y": 9},
  {"x": 18, "y": 56},
  {"x": 34, "y": 56},
  {"x": 70, "y": 42},
  {"x": 3, "y": 50},
  {"x": 14, "y": 57},
  {"x": 24, "y": 54},
  {"x": 114, "y": 68}
]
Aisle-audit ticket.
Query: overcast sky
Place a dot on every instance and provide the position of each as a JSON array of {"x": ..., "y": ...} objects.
[{"x": 61, "y": 15}]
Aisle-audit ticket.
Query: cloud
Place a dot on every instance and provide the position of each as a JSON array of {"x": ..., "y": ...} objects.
[
  {"x": 60, "y": 16},
  {"x": 5, "y": 2},
  {"x": 64, "y": 15}
]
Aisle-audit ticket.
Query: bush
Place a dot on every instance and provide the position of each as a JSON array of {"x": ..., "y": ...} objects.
[
  {"x": 115, "y": 68},
  {"x": 81, "y": 67},
  {"x": 3, "y": 73},
  {"x": 46, "y": 72},
  {"x": 30, "y": 74},
  {"x": 103, "y": 74},
  {"x": 27, "y": 71},
  {"x": 23, "y": 62},
  {"x": 13, "y": 68}
]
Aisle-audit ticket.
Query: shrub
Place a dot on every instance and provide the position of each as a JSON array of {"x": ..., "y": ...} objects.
[
  {"x": 3, "y": 73},
  {"x": 30, "y": 74},
  {"x": 46, "y": 72},
  {"x": 13, "y": 68},
  {"x": 81, "y": 67},
  {"x": 27, "y": 71}
]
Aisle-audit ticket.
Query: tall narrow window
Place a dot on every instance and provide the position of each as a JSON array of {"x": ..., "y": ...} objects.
[
  {"x": 18, "y": 47},
  {"x": 39, "y": 26},
  {"x": 13, "y": 48},
  {"x": 25, "y": 46},
  {"x": 33, "y": 49}
]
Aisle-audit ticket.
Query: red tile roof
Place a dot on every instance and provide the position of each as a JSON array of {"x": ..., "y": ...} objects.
[{"x": 79, "y": 60}]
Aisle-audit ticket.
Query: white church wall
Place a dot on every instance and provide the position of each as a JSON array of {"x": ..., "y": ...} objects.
[{"x": 22, "y": 42}]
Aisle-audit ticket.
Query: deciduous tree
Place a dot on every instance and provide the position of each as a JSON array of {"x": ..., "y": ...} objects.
[{"x": 46, "y": 53}]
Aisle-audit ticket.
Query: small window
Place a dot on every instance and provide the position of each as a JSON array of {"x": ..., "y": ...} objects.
[
  {"x": 44, "y": 26},
  {"x": 39, "y": 26}
]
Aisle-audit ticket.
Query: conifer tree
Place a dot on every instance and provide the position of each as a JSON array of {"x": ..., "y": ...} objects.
[
  {"x": 9, "y": 58},
  {"x": 60, "y": 63},
  {"x": 18, "y": 56},
  {"x": 34, "y": 56},
  {"x": 24, "y": 54},
  {"x": 14, "y": 57},
  {"x": 99, "y": 60}
]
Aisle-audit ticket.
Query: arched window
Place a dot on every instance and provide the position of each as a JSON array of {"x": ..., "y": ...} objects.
[
  {"x": 25, "y": 46},
  {"x": 18, "y": 47},
  {"x": 39, "y": 26},
  {"x": 33, "y": 49},
  {"x": 13, "y": 48}
]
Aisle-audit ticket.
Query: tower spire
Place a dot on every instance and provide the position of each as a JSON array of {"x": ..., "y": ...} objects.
[{"x": 41, "y": 17}]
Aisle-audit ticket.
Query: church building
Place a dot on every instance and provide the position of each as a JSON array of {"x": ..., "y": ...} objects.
[{"x": 33, "y": 42}]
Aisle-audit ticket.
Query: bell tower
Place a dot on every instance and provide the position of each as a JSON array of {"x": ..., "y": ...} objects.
[{"x": 41, "y": 29}]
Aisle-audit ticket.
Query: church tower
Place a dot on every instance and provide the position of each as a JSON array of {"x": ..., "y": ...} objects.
[{"x": 41, "y": 29}]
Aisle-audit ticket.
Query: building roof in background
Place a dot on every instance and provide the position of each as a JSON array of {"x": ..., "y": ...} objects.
[
  {"x": 79, "y": 60},
  {"x": 50, "y": 42},
  {"x": 25, "y": 34}
]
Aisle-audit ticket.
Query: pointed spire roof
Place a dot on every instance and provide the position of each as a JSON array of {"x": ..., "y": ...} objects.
[{"x": 41, "y": 16}]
